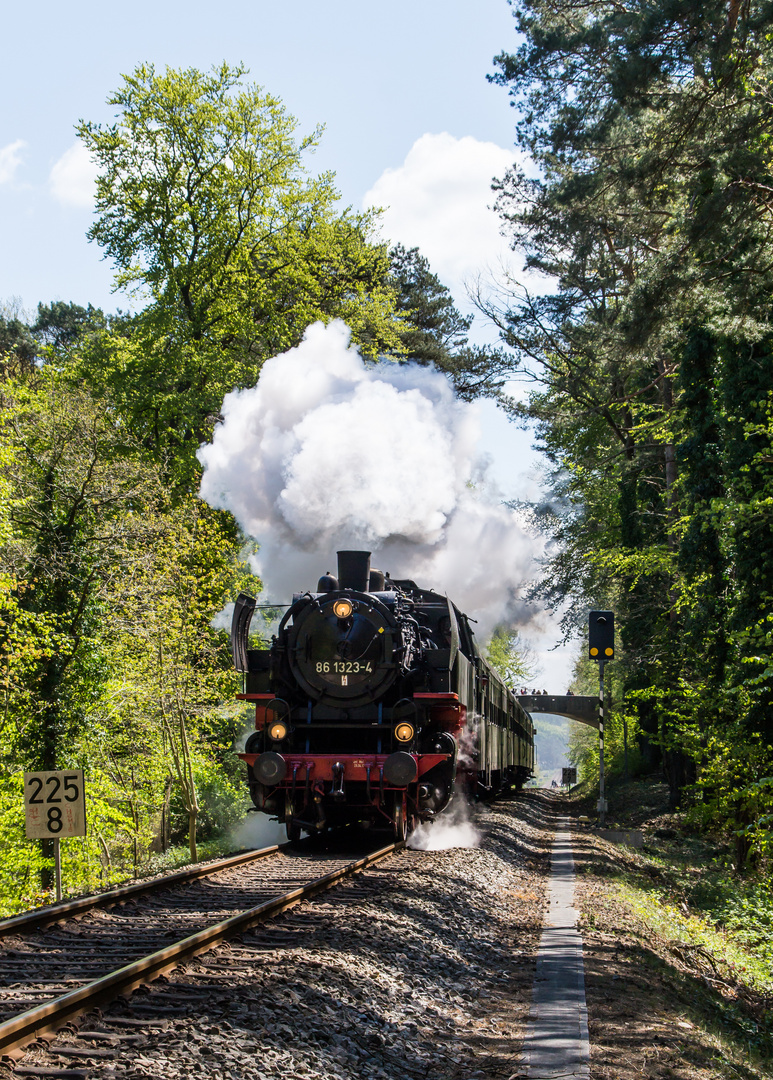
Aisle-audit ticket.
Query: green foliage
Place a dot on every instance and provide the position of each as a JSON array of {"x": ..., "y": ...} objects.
[
  {"x": 511, "y": 657},
  {"x": 175, "y": 668},
  {"x": 435, "y": 327},
  {"x": 18, "y": 347},
  {"x": 75, "y": 501},
  {"x": 22, "y": 863},
  {"x": 729, "y": 951},
  {"x": 59, "y": 326},
  {"x": 652, "y": 126},
  {"x": 114, "y": 576},
  {"x": 193, "y": 181},
  {"x": 435, "y": 332},
  {"x": 108, "y": 660},
  {"x": 748, "y": 915},
  {"x": 205, "y": 206}
]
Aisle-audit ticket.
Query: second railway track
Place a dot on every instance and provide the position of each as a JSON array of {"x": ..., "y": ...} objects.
[{"x": 50, "y": 975}]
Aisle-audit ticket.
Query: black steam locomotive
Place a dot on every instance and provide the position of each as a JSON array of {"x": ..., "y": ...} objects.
[{"x": 373, "y": 705}]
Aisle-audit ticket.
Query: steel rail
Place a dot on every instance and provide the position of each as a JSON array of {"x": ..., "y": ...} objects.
[
  {"x": 48, "y": 1018},
  {"x": 30, "y": 920}
]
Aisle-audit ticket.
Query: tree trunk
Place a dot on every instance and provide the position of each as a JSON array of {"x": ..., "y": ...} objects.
[{"x": 192, "y": 815}]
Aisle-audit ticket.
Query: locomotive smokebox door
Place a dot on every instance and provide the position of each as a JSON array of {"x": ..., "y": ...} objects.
[{"x": 601, "y": 635}]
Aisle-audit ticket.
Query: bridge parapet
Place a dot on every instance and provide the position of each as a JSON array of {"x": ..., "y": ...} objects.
[{"x": 573, "y": 706}]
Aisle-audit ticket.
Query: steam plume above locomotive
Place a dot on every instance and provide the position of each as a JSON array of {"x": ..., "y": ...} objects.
[{"x": 326, "y": 452}]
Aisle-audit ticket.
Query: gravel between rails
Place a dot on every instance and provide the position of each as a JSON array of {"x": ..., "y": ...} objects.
[
  {"x": 420, "y": 967},
  {"x": 39, "y": 965}
]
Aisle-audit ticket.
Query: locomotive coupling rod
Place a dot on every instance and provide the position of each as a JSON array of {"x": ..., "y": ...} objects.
[{"x": 48, "y": 1018}]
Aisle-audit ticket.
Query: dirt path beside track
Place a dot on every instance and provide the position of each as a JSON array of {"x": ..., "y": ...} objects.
[{"x": 656, "y": 1009}]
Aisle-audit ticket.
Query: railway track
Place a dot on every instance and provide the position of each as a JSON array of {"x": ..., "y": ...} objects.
[
  {"x": 65, "y": 909},
  {"x": 52, "y": 972}
]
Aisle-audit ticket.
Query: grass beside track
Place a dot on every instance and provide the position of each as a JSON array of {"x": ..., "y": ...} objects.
[
  {"x": 678, "y": 948},
  {"x": 174, "y": 858}
]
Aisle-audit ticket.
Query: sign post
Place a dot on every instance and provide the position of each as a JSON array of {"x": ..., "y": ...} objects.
[
  {"x": 55, "y": 806},
  {"x": 601, "y": 647}
]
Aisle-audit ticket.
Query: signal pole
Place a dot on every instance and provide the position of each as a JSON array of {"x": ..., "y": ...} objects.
[
  {"x": 602, "y": 805},
  {"x": 601, "y": 647}
]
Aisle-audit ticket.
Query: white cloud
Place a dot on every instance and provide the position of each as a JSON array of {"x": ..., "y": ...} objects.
[
  {"x": 439, "y": 200},
  {"x": 10, "y": 160},
  {"x": 308, "y": 423},
  {"x": 72, "y": 177}
]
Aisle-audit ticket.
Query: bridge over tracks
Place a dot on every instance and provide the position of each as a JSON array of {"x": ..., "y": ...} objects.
[{"x": 574, "y": 707}]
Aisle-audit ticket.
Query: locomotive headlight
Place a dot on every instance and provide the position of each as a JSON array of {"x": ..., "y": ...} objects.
[
  {"x": 277, "y": 731},
  {"x": 342, "y": 609},
  {"x": 404, "y": 732}
]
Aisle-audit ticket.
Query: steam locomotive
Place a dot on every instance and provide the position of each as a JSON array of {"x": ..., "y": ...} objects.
[{"x": 373, "y": 705}]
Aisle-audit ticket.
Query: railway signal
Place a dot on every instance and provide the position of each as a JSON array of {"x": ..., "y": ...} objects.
[
  {"x": 601, "y": 647},
  {"x": 601, "y": 635}
]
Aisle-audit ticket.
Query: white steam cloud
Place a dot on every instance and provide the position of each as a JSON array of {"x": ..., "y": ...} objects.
[
  {"x": 224, "y": 618},
  {"x": 326, "y": 453},
  {"x": 454, "y": 828},
  {"x": 257, "y": 831}
]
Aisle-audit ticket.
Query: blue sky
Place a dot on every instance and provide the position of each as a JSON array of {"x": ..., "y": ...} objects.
[
  {"x": 410, "y": 123},
  {"x": 377, "y": 76}
]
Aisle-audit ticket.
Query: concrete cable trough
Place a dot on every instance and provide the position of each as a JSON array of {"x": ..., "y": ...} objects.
[{"x": 557, "y": 1044}]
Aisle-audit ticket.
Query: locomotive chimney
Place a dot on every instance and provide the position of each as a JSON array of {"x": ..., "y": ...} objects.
[{"x": 354, "y": 570}]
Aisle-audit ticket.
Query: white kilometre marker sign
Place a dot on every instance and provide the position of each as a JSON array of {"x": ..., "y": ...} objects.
[{"x": 55, "y": 806}]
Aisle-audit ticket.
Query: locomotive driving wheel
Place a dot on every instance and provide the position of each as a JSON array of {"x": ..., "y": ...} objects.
[
  {"x": 400, "y": 824},
  {"x": 291, "y": 825}
]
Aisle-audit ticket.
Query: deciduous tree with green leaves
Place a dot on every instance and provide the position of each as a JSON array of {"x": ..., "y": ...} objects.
[{"x": 206, "y": 207}]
